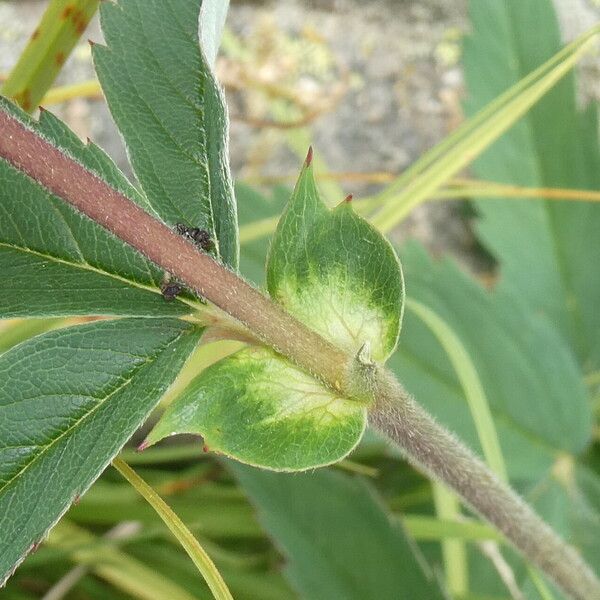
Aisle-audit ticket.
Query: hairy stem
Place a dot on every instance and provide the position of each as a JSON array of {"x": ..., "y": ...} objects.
[
  {"x": 436, "y": 451},
  {"x": 68, "y": 180},
  {"x": 427, "y": 445}
]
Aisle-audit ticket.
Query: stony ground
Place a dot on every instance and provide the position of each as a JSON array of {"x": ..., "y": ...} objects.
[{"x": 379, "y": 82}]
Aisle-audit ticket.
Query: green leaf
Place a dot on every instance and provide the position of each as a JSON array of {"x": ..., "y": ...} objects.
[
  {"x": 59, "y": 262},
  {"x": 337, "y": 539},
  {"x": 258, "y": 408},
  {"x": 62, "y": 24},
  {"x": 336, "y": 273},
  {"x": 171, "y": 113},
  {"x": 548, "y": 251},
  {"x": 212, "y": 20},
  {"x": 69, "y": 400},
  {"x": 529, "y": 375}
]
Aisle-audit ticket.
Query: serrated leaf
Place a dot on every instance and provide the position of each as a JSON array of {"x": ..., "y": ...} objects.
[
  {"x": 548, "y": 251},
  {"x": 336, "y": 273},
  {"x": 59, "y": 262},
  {"x": 530, "y": 377},
  {"x": 258, "y": 408},
  {"x": 69, "y": 400},
  {"x": 171, "y": 113},
  {"x": 337, "y": 539}
]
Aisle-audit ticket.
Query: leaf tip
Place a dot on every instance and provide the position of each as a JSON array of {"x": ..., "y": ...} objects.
[
  {"x": 142, "y": 446},
  {"x": 348, "y": 198},
  {"x": 309, "y": 157}
]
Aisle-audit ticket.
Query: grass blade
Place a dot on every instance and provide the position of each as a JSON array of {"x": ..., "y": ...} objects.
[
  {"x": 441, "y": 163},
  {"x": 180, "y": 531},
  {"x": 50, "y": 44},
  {"x": 467, "y": 375},
  {"x": 454, "y": 551}
]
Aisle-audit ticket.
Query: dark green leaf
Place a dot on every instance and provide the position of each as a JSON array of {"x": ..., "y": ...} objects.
[
  {"x": 549, "y": 251},
  {"x": 532, "y": 381},
  {"x": 337, "y": 539},
  {"x": 59, "y": 262},
  {"x": 336, "y": 273},
  {"x": 170, "y": 110},
  {"x": 69, "y": 400}
]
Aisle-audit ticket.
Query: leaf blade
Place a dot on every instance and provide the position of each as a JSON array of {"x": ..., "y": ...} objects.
[
  {"x": 336, "y": 273},
  {"x": 338, "y": 539},
  {"x": 59, "y": 262},
  {"x": 171, "y": 113},
  {"x": 530, "y": 377},
  {"x": 94, "y": 385},
  {"x": 547, "y": 250}
]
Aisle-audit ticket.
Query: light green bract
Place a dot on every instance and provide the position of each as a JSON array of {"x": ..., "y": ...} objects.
[
  {"x": 338, "y": 275},
  {"x": 261, "y": 410}
]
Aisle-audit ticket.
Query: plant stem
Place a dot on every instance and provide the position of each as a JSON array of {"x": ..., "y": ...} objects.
[
  {"x": 190, "y": 544},
  {"x": 427, "y": 444},
  {"x": 58, "y": 173},
  {"x": 436, "y": 451}
]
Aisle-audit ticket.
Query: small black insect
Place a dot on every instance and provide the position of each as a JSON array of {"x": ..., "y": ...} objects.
[
  {"x": 200, "y": 237},
  {"x": 170, "y": 290}
]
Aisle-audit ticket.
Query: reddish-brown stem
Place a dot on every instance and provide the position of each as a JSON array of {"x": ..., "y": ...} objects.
[
  {"x": 68, "y": 180},
  {"x": 394, "y": 413}
]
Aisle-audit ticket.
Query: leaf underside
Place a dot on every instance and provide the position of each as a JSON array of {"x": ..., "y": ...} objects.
[
  {"x": 69, "y": 400},
  {"x": 59, "y": 262},
  {"x": 171, "y": 113}
]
